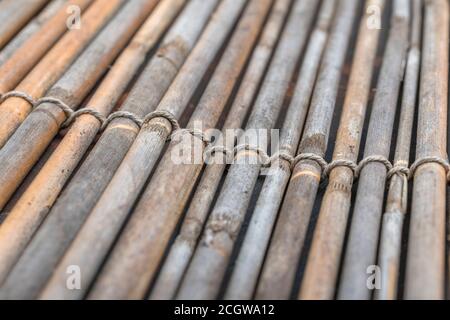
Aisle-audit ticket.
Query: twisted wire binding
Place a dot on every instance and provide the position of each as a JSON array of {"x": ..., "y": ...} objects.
[{"x": 326, "y": 168}]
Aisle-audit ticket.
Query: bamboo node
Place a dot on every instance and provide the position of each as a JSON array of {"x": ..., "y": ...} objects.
[{"x": 162, "y": 114}]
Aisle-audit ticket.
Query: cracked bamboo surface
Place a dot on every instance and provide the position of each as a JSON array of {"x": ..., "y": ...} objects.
[
  {"x": 319, "y": 280},
  {"x": 32, "y": 207},
  {"x": 362, "y": 243},
  {"x": 425, "y": 265},
  {"x": 277, "y": 276}
]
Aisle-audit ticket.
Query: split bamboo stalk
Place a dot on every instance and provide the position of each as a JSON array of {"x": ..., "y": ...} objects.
[
  {"x": 278, "y": 273},
  {"x": 29, "y": 54},
  {"x": 364, "y": 230},
  {"x": 397, "y": 198},
  {"x": 30, "y": 29},
  {"x": 209, "y": 262},
  {"x": 52, "y": 66},
  {"x": 135, "y": 284},
  {"x": 32, "y": 207},
  {"x": 181, "y": 251},
  {"x": 251, "y": 255},
  {"x": 43, "y": 123},
  {"x": 425, "y": 268},
  {"x": 322, "y": 266},
  {"x": 14, "y": 14},
  {"x": 92, "y": 177}
]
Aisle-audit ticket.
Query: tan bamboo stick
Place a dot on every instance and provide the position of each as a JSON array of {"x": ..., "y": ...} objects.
[
  {"x": 29, "y": 54},
  {"x": 209, "y": 262},
  {"x": 52, "y": 66},
  {"x": 34, "y": 267},
  {"x": 322, "y": 265},
  {"x": 397, "y": 198},
  {"x": 14, "y": 14},
  {"x": 43, "y": 124},
  {"x": 425, "y": 267},
  {"x": 246, "y": 270},
  {"x": 361, "y": 249},
  {"x": 30, "y": 29},
  {"x": 32, "y": 207},
  {"x": 278, "y": 273},
  {"x": 181, "y": 251},
  {"x": 135, "y": 284}
]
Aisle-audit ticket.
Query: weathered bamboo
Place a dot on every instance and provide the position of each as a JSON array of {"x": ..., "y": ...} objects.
[
  {"x": 362, "y": 241},
  {"x": 29, "y": 54},
  {"x": 322, "y": 266},
  {"x": 246, "y": 270},
  {"x": 14, "y": 14},
  {"x": 30, "y": 29},
  {"x": 425, "y": 268},
  {"x": 209, "y": 262},
  {"x": 43, "y": 123},
  {"x": 397, "y": 198},
  {"x": 51, "y": 68},
  {"x": 32, "y": 207},
  {"x": 135, "y": 284},
  {"x": 98, "y": 168},
  {"x": 278, "y": 273},
  {"x": 181, "y": 251}
]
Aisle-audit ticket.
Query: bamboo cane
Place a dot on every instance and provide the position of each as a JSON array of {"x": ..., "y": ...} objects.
[
  {"x": 181, "y": 251},
  {"x": 134, "y": 285},
  {"x": 52, "y": 67},
  {"x": 43, "y": 124},
  {"x": 277, "y": 276},
  {"x": 30, "y": 29},
  {"x": 31, "y": 208},
  {"x": 246, "y": 270},
  {"x": 206, "y": 270},
  {"x": 396, "y": 205},
  {"x": 26, "y": 57},
  {"x": 97, "y": 170},
  {"x": 14, "y": 14},
  {"x": 365, "y": 224},
  {"x": 319, "y": 279},
  {"x": 425, "y": 268}
]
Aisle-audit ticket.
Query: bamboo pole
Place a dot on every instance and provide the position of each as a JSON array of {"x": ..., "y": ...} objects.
[
  {"x": 278, "y": 273},
  {"x": 52, "y": 67},
  {"x": 32, "y": 207},
  {"x": 209, "y": 262},
  {"x": 322, "y": 266},
  {"x": 181, "y": 251},
  {"x": 14, "y": 14},
  {"x": 425, "y": 268},
  {"x": 397, "y": 198},
  {"x": 32, "y": 28},
  {"x": 29, "y": 54},
  {"x": 98, "y": 168},
  {"x": 135, "y": 284},
  {"x": 43, "y": 124},
  {"x": 362, "y": 241},
  {"x": 246, "y": 270}
]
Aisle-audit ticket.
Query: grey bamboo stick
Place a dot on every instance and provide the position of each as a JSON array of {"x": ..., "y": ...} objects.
[
  {"x": 246, "y": 270},
  {"x": 425, "y": 268},
  {"x": 32, "y": 207},
  {"x": 181, "y": 251},
  {"x": 322, "y": 265},
  {"x": 362, "y": 242},
  {"x": 397, "y": 198},
  {"x": 14, "y": 14},
  {"x": 278, "y": 273},
  {"x": 43, "y": 123},
  {"x": 30, "y": 29},
  {"x": 209, "y": 262},
  {"x": 115, "y": 280}
]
